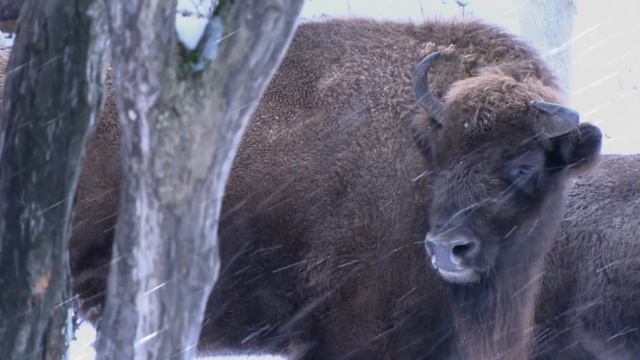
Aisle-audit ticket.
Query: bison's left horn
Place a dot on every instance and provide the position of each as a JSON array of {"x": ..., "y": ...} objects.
[
  {"x": 568, "y": 119},
  {"x": 426, "y": 98}
]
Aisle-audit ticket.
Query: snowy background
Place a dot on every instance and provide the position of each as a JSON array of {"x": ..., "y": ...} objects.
[{"x": 605, "y": 69}]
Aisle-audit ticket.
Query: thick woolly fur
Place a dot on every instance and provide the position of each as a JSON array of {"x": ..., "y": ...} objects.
[
  {"x": 329, "y": 171},
  {"x": 495, "y": 93},
  {"x": 339, "y": 178},
  {"x": 589, "y": 306}
]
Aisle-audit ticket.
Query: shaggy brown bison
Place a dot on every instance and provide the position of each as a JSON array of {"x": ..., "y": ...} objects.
[
  {"x": 342, "y": 175},
  {"x": 589, "y": 307}
]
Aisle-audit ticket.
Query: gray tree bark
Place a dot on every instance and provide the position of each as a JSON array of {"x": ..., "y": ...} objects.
[
  {"x": 53, "y": 90},
  {"x": 548, "y": 25},
  {"x": 182, "y": 115}
]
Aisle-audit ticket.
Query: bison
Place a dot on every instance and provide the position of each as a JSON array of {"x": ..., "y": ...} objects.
[
  {"x": 368, "y": 211},
  {"x": 588, "y": 308}
]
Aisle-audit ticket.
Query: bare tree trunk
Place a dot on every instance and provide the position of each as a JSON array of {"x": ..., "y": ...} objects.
[
  {"x": 53, "y": 85},
  {"x": 182, "y": 115},
  {"x": 548, "y": 25}
]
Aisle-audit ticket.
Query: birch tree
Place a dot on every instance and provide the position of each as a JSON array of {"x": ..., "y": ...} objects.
[{"x": 182, "y": 114}]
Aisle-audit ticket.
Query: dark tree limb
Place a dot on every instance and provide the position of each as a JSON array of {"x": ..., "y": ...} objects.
[
  {"x": 182, "y": 116},
  {"x": 53, "y": 90}
]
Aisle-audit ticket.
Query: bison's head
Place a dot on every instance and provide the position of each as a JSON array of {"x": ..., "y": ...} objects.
[{"x": 501, "y": 150}]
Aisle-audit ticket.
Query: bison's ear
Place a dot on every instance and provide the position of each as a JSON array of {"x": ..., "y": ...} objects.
[
  {"x": 422, "y": 129},
  {"x": 576, "y": 150}
]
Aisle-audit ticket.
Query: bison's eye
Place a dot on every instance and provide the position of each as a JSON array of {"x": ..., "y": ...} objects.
[
  {"x": 521, "y": 176},
  {"x": 522, "y": 171}
]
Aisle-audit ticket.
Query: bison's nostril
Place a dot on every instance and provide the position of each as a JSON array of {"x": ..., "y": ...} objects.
[
  {"x": 462, "y": 250},
  {"x": 452, "y": 255}
]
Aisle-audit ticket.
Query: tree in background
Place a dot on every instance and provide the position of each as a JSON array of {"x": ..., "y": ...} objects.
[
  {"x": 182, "y": 114},
  {"x": 548, "y": 25}
]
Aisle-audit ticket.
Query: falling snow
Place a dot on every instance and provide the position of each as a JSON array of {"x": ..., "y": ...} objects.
[{"x": 605, "y": 71}]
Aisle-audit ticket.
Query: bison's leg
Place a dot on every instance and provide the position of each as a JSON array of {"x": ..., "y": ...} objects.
[
  {"x": 257, "y": 304},
  {"x": 90, "y": 259}
]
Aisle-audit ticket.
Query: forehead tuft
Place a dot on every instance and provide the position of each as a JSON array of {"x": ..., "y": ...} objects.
[{"x": 493, "y": 96}]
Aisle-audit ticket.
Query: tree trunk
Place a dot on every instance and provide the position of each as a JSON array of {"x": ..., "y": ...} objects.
[
  {"x": 53, "y": 84},
  {"x": 548, "y": 25},
  {"x": 182, "y": 115}
]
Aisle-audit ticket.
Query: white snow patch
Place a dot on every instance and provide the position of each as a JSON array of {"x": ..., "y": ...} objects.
[
  {"x": 190, "y": 30},
  {"x": 6, "y": 40},
  {"x": 82, "y": 348}
]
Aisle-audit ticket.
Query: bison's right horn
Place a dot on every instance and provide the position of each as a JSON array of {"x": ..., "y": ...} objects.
[
  {"x": 568, "y": 118},
  {"x": 425, "y": 96}
]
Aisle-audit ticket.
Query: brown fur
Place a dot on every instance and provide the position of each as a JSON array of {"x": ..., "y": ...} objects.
[
  {"x": 497, "y": 93},
  {"x": 9, "y": 26},
  {"x": 589, "y": 307},
  {"x": 335, "y": 276},
  {"x": 9, "y": 11},
  {"x": 330, "y": 198},
  {"x": 95, "y": 210}
]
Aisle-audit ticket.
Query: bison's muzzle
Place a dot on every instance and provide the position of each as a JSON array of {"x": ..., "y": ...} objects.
[{"x": 452, "y": 258}]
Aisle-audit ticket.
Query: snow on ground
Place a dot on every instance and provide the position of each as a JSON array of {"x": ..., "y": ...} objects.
[
  {"x": 6, "y": 40},
  {"x": 605, "y": 77},
  {"x": 82, "y": 348}
]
